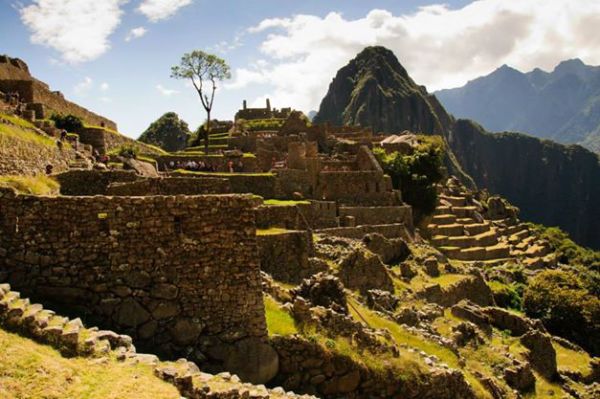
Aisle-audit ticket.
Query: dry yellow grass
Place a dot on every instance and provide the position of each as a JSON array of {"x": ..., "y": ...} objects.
[
  {"x": 35, "y": 185},
  {"x": 32, "y": 371}
]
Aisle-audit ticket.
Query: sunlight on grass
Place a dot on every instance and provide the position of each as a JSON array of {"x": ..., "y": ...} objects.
[
  {"x": 32, "y": 371},
  {"x": 272, "y": 231},
  {"x": 33, "y": 185},
  {"x": 279, "y": 322},
  {"x": 7, "y": 131},
  {"x": 275, "y": 202},
  {"x": 568, "y": 359}
]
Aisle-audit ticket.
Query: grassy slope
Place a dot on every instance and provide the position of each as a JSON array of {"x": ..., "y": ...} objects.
[
  {"x": 31, "y": 371},
  {"x": 35, "y": 185}
]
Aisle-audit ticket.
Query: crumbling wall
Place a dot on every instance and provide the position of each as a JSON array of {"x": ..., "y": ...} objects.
[
  {"x": 356, "y": 187},
  {"x": 285, "y": 256},
  {"x": 170, "y": 186},
  {"x": 92, "y": 182},
  {"x": 169, "y": 271},
  {"x": 379, "y": 215}
]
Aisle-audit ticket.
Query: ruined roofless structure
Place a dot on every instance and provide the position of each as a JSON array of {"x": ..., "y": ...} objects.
[
  {"x": 37, "y": 96},
  {"x": 262, "y": 113}
]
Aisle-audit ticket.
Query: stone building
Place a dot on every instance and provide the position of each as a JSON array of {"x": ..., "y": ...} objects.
[{"x": 262, "y": 113}]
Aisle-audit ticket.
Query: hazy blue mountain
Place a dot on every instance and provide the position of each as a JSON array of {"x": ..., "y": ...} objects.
[{"x": 562, "y": 105}]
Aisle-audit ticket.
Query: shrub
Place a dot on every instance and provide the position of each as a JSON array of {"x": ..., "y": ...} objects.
[
  {"x": 70, "y": 123},
  {"x": 566, "y": 305},
  {"x": 507, "y": 295},
  {"x": 417, "y": 174}
]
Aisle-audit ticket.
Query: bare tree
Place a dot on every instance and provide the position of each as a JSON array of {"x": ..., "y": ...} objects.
[{"x": 203, "y": 69}]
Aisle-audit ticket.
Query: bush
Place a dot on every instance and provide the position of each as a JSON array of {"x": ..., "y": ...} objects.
[
  {"x": 417, "y": 174},
  {"x": 70, "y": 123},
  {"x": 508, "y": 296},
  {"x": 567, "y": 305},
  {"x": 567, "y": 251}
]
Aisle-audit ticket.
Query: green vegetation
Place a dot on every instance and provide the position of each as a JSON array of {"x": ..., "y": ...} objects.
[
  {"x": 271, "y": 231},
  {"x": 567, "y": 304},
  {"x": 32, "y": 371},
  {"x": 261, "y": 124},
  {"x": 416, "y": 174},
  {"x": 28, "y": 136},
  {"x": 275, "y": 202},
  {"x": 167, "y": 132},
  {"x": 508, "y": 295},
  {"x": 567, "y": 250},
  {"x": 70, "y": 123},
  {"x": 15, "y": 120},
  {"x": 279, "y": 322},
  {"x": 33, "y": 185},
  {"x": 568, "y": 359}
]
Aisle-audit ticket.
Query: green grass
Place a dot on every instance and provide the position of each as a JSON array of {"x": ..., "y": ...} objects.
[
  {"x": 33, "y": 185},
  {"x": 275, "y": 202},
  {"x": 279, "y": 322},
  {"x": 196, "y": 154},
  {"x": 223, "y": 174},
  {"x": 568, "y": 359},
  {"x": 272, "y": 231},
  {"x": 17, "y": 121},
  {"x": 32, "y": 371},
  {"x": 7, "y": 131}
]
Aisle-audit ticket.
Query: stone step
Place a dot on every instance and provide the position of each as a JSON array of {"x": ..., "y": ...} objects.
[
  {"x": 477, "y": 228},
  {"x": 442, "y": 210},
  {"x": 446, "y": 230},
  {"x": 450, "y": 252},
  {"x": 487, "y": 238},
  {"x": 439, "y": 240},
  {"x": 444, "y": 219},
  {"x": 537, "y": 250},
  {"x": 524, "y": 244},
  {"x": 497, "y": 251},
  {"x": 464, "y": 211},
  {"x": 466, "y": 221},
  {"x": 454, "y": 201},
  {"x": 472, "y": 253},
  {"x": 462, "y": 241}
]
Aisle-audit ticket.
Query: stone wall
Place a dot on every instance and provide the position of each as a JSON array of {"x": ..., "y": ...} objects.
[
  {"x": 313, "y": 215},
  {"x": 308, "y": 367},
  {"x": 285, "y": 256},
  {"x": 397, "y": 230},
  {"x": 249, "y": 164},
  {"x": 22, "y": 157},
  {"x": 169, "y": 271},
  {"x": 264, "y": 185},
  {"x": 105, "y": 140},
  {"x": 356, "y": 187},
  {"x": 170, "y": 186},
  {"x": 92, "y": 182},
  {"x": 379, "y": 215},
  {"x": 15, "y": 76}
]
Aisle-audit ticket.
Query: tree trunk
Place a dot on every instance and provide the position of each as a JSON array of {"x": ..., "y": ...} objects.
[{"x": 207, "y": 133}]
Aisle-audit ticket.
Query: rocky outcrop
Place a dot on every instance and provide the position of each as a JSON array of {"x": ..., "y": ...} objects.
[
  {"x": 516, "y": 324},
  {"x": 390, "y": 251},
  {"x": 308, "y": 367},
  {"x": 323, "y": 290},
  {"x": 362, "y": 270},
  {"x": 541, "y": 355},
  {"x": 551, "y": 184},
  {"x": 473, "y": 288}
]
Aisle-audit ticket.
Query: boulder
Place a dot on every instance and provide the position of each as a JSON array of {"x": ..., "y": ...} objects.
[
  {"x": 431, "y": 267},
  {"x": 391, "y": 251},
  {"x": 516, "y": 324},
  {"x": 253, "y": 361},
  {"x": 363, "y": 270},
  {"x": 186, "y": 331},
  {"x": 131, "y": 314},
  {"x": 541, "y": 355},
  {"x": 519, "y": 376},
  {"x": 323, "y": 290},
  {"x": 382, "y": 300}
]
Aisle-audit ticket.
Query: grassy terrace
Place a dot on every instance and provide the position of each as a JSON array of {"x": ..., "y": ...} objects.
[
  {"x": 272, "y": 231},
  {"x": 32, "y": 371},
  {"x": 275, "y": 202},
  {"x": 279, "y": 322},
  {"x": 17, "y": 121},
  {"x": 34, "y": 185},
  {"x": 196, "y": 154},
  {"x": 21, "y": 133}
]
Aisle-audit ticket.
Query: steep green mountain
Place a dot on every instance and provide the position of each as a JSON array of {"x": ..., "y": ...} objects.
[
  {"x": 168, "y": 132},
  {"x": 553, "y": 184},
  {"x": 375, "y": 90},
  {"x": 562, "y": 105}
]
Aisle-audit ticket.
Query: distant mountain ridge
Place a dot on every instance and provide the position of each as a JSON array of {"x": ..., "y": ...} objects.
[
  {"x": 562, "y": 105},
  {"x": 553, "y": 184}
]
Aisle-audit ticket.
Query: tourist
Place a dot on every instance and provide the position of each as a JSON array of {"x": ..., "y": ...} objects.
[
  {"x": 63, "y": 135},
  {"x": 171, "y": 165},
  {"x": 230, "y": 166}
]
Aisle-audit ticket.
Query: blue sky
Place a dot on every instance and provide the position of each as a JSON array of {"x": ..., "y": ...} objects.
[{"x": 287, "y": 50}]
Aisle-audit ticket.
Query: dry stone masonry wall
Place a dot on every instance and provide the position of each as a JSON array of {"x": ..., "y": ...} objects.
[{"x": 166, "y": 270}]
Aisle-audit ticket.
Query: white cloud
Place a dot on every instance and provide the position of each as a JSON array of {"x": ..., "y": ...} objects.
[
  {"x": 136, "y": 33},
  {"x": 155, "y": 10},
  {"x": 104, "y": 86},
  {"x": 439, "y": 46},
  {"x": 78, "y": 29},
  {"x": 83, "y": 87},
  {"x": 225, "y": 46},
  {"x": 166, "y": 92}
]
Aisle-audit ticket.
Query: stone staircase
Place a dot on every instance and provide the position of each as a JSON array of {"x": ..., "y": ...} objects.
[
  {"x": 71, "y": 338},
  {"x": 459, "y": 230}
]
